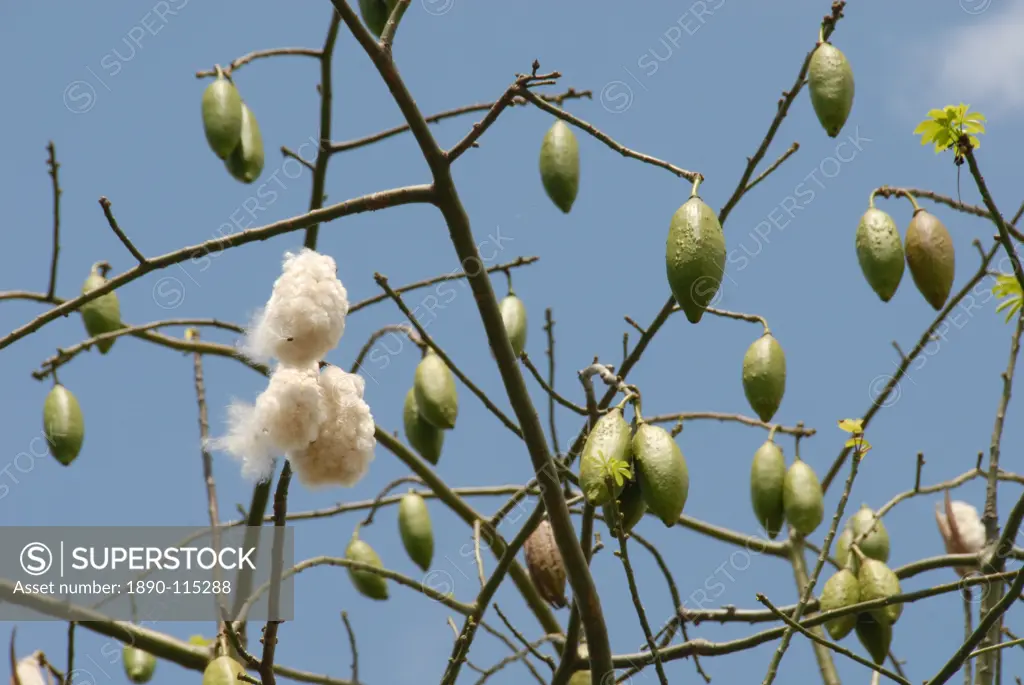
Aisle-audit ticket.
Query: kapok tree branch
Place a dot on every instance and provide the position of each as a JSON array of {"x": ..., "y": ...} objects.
[
  {"x": 323, "y": 154},
  {"x": 975, "y": 210},
  {"x": 448, "y": 201},
  {"x": 53, "y": 165},
  {"x": 366, "y": 203}
]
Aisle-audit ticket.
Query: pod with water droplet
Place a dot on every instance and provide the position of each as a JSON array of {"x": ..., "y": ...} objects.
[
  {"x": 695, "y": 256},
  {"x": 436, "y": 397},
  {"x": 63, "y": 424},
  {"x": 415, "y": 529}
]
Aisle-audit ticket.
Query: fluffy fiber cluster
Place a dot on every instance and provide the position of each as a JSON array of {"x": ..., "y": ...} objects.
[
  {"x": 316, "y": 417},
  {"x": 305, "y": 317},
  {"x": 961, "y": 529}
]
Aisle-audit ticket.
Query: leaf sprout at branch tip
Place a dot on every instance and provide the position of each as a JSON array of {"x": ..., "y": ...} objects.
[
  {"x": 1006, "y": 285},
  {"x": 943, "y": 127},
  {"x": 856, "y": 428}
]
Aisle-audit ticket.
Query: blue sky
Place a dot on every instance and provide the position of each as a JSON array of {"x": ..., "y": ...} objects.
[{"x": 699, "y": 94}]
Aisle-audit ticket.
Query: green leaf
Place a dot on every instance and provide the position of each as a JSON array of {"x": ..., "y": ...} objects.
[
  {"x": 1008, "y": 289},
  {"x": 855, "y": 426}
]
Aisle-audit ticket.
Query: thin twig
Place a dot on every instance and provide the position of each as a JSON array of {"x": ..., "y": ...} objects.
[
  {"x": 402, "y": 328},
  {"x": 552, "y": 395},
  {"x": 105, "y": 204},
  {"x": 828, "y": 643},
  {"x": 352, "y": 646},
  {"x": 549, "y": 329},
  {"x": 773, "y": 166},
  {"x": 383, "y": 494},
  {"x": 752, "y": 318},
  {"x": 738, "y": 418},
  {"x": 997, "y": 218},
  {"x": 323, "y": 155},
  {"x": 259, "y": 54},
  {"x": 54, "y": 166}
]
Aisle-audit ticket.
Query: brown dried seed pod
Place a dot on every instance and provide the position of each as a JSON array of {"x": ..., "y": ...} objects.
[{"x": 544, "y": 562}]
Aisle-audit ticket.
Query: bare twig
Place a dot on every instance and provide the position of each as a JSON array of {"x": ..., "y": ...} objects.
[
  {"x": 773, "y": 166},
  {"x": 54, "y": 166},
  {"x": 105, "y": 204},
  {"x": 352, "y": 646},
  {"x": 390, "y": 329},
  {"x": 552, "y": 395},
  {"x": 259, "y": 54},
  {"x": 738, "y": 418}
]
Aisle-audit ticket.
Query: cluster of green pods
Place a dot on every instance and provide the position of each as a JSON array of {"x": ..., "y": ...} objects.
[{"x": 232, "y": 131}]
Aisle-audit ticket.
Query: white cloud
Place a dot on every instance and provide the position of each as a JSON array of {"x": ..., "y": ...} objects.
[{"x": 980, "y": 61}]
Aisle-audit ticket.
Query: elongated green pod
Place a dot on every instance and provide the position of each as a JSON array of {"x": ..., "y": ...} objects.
[
  {"x": 831, "y": 87},
  {"x": 876, "y": 636},
  {"x": 376, "y": 14},
  {"x": 764, "y": 376},
  {"x": 222, "y": 671},
  {"x": 103, "y": 314},
  {"x": 839, "y": 592},
  {"x": 767, "y": 478},
  {"x": 368, "y": 584},
  {"x": 931, "y": 258},
  {"x": 513, "y": 315},
  {"x": 695, "y": 257},
  {"x": 138, "y": 665},
  {"x": 415, "y": 529},
  {"x": 436, "y": 397},
  {"x": 245, "y": 163},
  {"x": 609, "y": 439},
  {"x": 880, "y": 253},
  {"x": 63, "y": 424},
  {"x": 878, "y": 581},
  {"x": 222, "y": 116},
  {"x": 661, "y": 471},
  {"x": 560, "y": 165},
  {"x": 632, "y": 507},
  {"x": 802, "y": 498},
  {"x": 424, "y": 437}
]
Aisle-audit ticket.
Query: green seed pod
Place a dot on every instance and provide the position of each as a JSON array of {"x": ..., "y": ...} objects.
[
  {"x": 436, "y": 397},
  {"x": 830, "y": 82},
  {"x": 631, "y": 507},
  {"x": 695, "y": 257},
  {"x": 560, "y": 165},
  {"x": 764, "y": 376},
  {"x": 841, "y": 590},
  {"x": 545, "y": 565},
  {"x": 843, "y": 555},
  {"x": 802, "y": 498},
  {"x": 609, "y": 439},
  {"x": 245, "y": 163},
  {"x": 138, "y": 665},
  {"x": 876, "y": 637},
  {"x": 222, "y": 671},
  {"x": 878, "y": 581},
  {"x": 415, "y": 529},
  {"x": 368, "y": 584},
  {"x": 930, "y": 257},
  {"x": 876, "y": 543},
  {"x": 767, "y": 477},
  {"x": 880, "y": 252},
  {"x": 102, "y": 315},
  {"x": 222, "y": 116},
  {"x": 513, "y": 315},
  {"x": 661, "y": 472},
  {"x": 376, "y": 14},
  {"x": 423, "y": 436},
  {"x": 63, "y": 424}
]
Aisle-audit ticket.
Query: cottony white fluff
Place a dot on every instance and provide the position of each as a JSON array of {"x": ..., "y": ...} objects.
[
  {"x": 287, "y": 416},
  {"x": 961, "y": 529},
  {"x": 305, "y": 316},
  {"x": 343, "y": 450},
  {"x": 292, "y": 407},
  {"x": 29, "y": 671}
]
